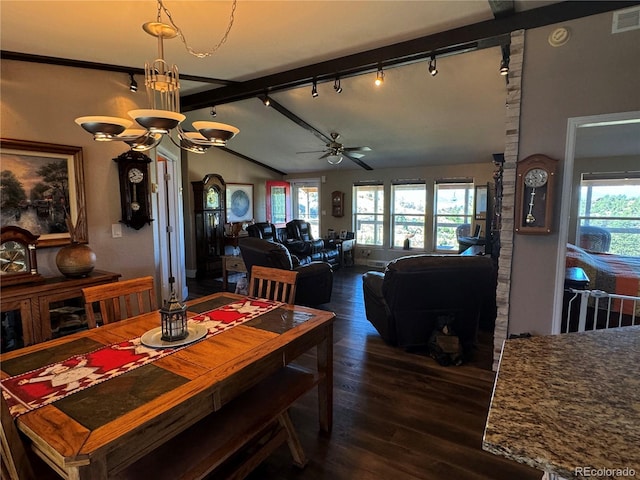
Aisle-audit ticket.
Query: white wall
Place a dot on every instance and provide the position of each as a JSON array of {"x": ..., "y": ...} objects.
[{"x": 595, "y": 73}]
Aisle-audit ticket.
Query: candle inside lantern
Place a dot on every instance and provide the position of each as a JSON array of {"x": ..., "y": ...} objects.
[{"x": 173, "y": 315}]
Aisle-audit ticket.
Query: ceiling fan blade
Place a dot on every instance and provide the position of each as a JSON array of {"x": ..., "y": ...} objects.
[
  {"x": 325, "y": 155},
  {"x": 357, "y": 149},
  {"x": 355, "y": 154},
  {"x": 313, "y": 151}
]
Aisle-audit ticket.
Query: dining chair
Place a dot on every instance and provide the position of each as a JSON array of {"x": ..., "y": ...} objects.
[
  {"x": 273, "y": 283},
  {"x": 17, "y": 462},
  {"x": 120, "y": 300}
]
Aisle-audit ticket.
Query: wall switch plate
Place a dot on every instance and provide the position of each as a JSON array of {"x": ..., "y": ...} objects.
[{"x": 116, "y": 230}]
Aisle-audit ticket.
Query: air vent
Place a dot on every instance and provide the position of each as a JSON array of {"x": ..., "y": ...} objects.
[{"x": 625, "y": 20}]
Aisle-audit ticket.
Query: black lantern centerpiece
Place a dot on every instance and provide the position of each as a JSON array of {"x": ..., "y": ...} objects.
[{"x": 173, "y": 315}]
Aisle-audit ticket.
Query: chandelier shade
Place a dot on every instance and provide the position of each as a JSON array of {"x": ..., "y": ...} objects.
[
  {"x": 102, "y": 128},
  {"x": 214, "y": 131},
  {"x": 157, "y": 121}
]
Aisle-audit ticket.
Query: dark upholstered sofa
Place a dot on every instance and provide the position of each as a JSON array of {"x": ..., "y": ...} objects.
[
  {"x": 300, "y": 242},
  {"x": 315, "y": 279},
  {"x": 405, "y": 301}
]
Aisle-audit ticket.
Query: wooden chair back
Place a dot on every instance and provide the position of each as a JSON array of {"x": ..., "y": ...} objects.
[
  {"x": 15, "y": 463},
  {"x": 120, "y": 300},
  {"x": 273, "y": 283}
]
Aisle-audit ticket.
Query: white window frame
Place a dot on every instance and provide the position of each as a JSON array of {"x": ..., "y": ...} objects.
[
  {"x": 414, "y": 242},
  {"x": 467, "y": 215},
  {"x": 379, "y": 214}
]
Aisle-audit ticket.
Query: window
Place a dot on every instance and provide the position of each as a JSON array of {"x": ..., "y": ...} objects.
[
  {"x": 305, "y": 203},
  {"x": 453, "y": 208},
  {"x": 611, "y": 201},
  {"x": 368, "y": 214},
  {"x": 408, "y": 214}
]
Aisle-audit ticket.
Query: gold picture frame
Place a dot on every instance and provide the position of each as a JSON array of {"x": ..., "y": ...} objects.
[{"x": 42, "y": 184}]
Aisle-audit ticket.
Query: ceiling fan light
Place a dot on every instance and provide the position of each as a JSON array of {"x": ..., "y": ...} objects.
[
  {"x": 334, "y": 159},
  {"x": 157, "y": 121},
  {"x": 102, "y": 128}
]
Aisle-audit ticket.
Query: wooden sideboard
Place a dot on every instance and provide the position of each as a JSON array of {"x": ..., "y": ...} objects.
[{"x": 35, "y": 312}]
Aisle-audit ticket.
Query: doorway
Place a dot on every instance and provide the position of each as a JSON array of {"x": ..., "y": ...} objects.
[
  {"x": 575, "y": 129},
  {"x": 305, "y": 195}
]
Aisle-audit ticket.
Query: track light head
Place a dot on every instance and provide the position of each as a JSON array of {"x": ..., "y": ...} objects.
[
  {"x": 433, "y": 70},
  {"x": 133, "y": 85},
  {"x": 379, "y": 77},
  {"x": 266, "y": 100},
  {"x": 336, "y": 85},
  {"x": 213, "y": 111},
  {"x": 314, "y": 89},
  {"x": 504, "y": 63}
]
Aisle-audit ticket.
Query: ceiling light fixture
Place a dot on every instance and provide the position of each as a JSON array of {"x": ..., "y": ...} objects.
[
  {"x": 163, "y": 115},
  {"x": 266, "y": 100},
  {"x": 133, "y": 85},
  {"x": 433, "y": 70},
  {"x": 504, "y": 64},
  {"x": 335, "y": 158},
  {"x": 379, "y": 77},
  {"x": 336, "y": 85},
  {"x": 314, "y": 89},
  {"x": 213, "y": 111}
]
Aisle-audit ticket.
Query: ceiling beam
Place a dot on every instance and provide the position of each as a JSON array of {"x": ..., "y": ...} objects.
[
  {"x": 67, "y": 62},
  {"x": 249, "y": 159},
  {"x": 475, "y": 36},
  {"x": 502, "y": 8},
  {"x": 299, "y": 121}
]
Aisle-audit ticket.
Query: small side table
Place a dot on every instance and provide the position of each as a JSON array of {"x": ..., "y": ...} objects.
[
  {"x": 231, "y": 263},
  {"x": 346, "y": 252}
]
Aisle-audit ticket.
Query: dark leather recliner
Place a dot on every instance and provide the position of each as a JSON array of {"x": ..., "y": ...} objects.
[
  {"x": 300, "y": 241},
  {"x": 268, "y": 231},
  {"x": 315, "y": 280},
  {"x": 405, "y": 301}
]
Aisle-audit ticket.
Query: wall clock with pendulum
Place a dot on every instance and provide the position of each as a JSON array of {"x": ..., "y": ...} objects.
[
  {"x": 135, "y": 195},
  {"x": 535, "y": 183}
]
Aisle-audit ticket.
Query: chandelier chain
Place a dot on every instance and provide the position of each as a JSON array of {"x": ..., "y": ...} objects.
[{"x": 161, "y": 8}]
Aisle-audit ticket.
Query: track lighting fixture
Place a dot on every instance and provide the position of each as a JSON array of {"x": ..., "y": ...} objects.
[
  {"x": 213, "y": 111},
  {"x": 433, "y": 70},
  {"x": 266, "y": 100},
  {"x": 379, "y": 77},
  {"x": 314, "y": 89},
  {"x": 504, "y": 64},
  {"x": 336, "y": 85},
  {"x": 133, "y": 85}
]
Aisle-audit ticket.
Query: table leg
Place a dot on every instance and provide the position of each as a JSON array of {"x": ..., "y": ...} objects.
[{"x": 325, "y": 386}]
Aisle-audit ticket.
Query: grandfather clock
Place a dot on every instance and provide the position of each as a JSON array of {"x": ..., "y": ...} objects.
[{"x": 209, "y": 212}]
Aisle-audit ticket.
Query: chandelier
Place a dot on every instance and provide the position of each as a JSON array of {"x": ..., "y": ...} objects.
[{"x": 163, "y": 117}]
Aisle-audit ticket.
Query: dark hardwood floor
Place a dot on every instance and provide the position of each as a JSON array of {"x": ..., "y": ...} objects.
[{"x": 397, "y": 415}]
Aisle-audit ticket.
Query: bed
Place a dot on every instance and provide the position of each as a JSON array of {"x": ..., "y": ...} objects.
[{"x": 607, "y": 272}]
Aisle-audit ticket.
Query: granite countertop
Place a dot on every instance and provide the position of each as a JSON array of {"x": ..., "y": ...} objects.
[{"x": 562, "y": 402}]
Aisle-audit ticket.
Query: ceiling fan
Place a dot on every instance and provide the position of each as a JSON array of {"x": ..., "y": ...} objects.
[{"x": 334, "y": 150}]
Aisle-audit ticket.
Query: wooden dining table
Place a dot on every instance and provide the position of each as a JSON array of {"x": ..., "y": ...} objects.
[{"x": 101, "y": 429}]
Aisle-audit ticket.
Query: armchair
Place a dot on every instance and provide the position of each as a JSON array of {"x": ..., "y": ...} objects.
[
  {"x": 267, "y": 231},
  {"x": 300, "y": 241},
  {"x": 315, "y": 280},
  {"x": 405, "y": 301}
]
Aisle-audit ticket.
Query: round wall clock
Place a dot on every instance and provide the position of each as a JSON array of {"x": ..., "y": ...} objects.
[
  {"x": 135, "y": 195},
  {"x": 18, "y": 256},
  {"x": 535, "y": 181}
]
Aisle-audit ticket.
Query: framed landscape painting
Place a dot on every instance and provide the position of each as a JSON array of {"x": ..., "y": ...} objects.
[
  {"x": 41, "y": 185},
  {"x": 239, "y": 202}
]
